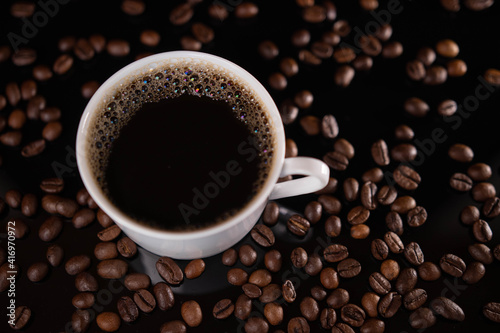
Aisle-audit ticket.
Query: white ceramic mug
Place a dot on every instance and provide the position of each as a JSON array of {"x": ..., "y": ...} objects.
[{"x": 219, "y": 237}]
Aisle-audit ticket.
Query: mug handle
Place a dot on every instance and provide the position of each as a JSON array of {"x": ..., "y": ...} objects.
[{"x": 317, "y": 175}]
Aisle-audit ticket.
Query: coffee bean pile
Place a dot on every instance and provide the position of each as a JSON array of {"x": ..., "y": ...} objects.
[{"x": 263, "y": 275}]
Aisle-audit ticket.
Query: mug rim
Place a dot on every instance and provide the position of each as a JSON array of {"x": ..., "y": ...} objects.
[{"x": 149, "y": 64}]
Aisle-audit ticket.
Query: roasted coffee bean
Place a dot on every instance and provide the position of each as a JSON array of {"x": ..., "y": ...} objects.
[
  {"x": 359, "y": 231},
  {"x": 491, "y": 207},
  {"x": 256, "y": 325},
  {"x": 251, "y": 290},
  {"x": 435, "y": 75},
  {"x": 13, "y": 198},
  {"x": 98, "y": 42},
  {"x": 5, "y": 53},
  {"x": 260, "y": 277},
  {"x": 191, "y": 313},
  {"x": 452, "y": 265},
  {"x": 328, "y": 317},
  {"x": 338, "y": 298},
  {"x": 54, "y": 255},
  {"x": 108, "y": 321},
  {"x": 447, "y": 308},
  {"x": 169, "y": 270},
  {"x": 479, "y": 172},
  {"x": 299, "y": 257},
  {"x": 392, "y": 49},
  {"x": 23, "y": 56},
  {"x": 474, "y": 272},
  {"x": 404, "y": 152},
  {"x": 481, "y": 252},
  {"x": 321, "y": 49},
  {"x": 105, "y": 250},
  {"x": 21, "y": 229},
  {"x": 83, "y": 218},
  {"x": 416, "y": 107},
  {"x": 89, "y": 88},
  {"x": 50, "y": 228},
  {"x": 394, "y": 223},
  {"x": 379, "y": 283},
  {"x": 112, "y": 268},
  {"x": 273, "y": 260},
  {"x": 152, "y": 38},
  {"x": 291, "y": 149},
  {"x": 470, "y": 214},
  {"x": 351, "y": 189},
  {"x": 451, "y": 5},
  {"x": 118, "y": 47},
  {"x": 362, "y": 63},
  {"x": 298, "y": 225},
  {"x": 83, "y": 50},
  {"x": 331, "y": 38},
  {"x": 342, "y": 28},
  {"x": 386, "y": 195},
  {"x": 127, "y": 309},
  {"x": 63, "y": 64},
  {"x": 333, "y": 226},
  {"x": 174, "y": 326},
  {"x": 447, "y": 48},
  {"x": 190, "y": 43},
  {"x": 428, "y": 271},
  {"x": 460, "y": 153},
  {"x": 83, "y": 300},
  {"x": 11, "y": 138},
  {"x": 342, "y": 328},
  {"x": 344, "y": 75},
  {"x": 335, "y": 253},
  {"x": 104, "y": 220},
  {"x": 380, "y": 152},
  {"x": 77, "y": 264},
  {"x": 300, "y": 38},
  {"x": 52, "y": 185},
  {"x": 369, "y": 302},
  {"x": 229, "y": 257},
  {"x": 263, "y": 235},
  {"x": 329, "y": 127},
  {"x": 314, "y": 14},
  {"x": 52, "y": 130},
  {"x": 406, "y": 177},
  {"x": 344, "y": 55},
  {"x": 270, "y": 293},
  {"x": 390, "y": 269},
  {"x": 358, "y": 215},
  {"x": 29, "y": 204},
  {"x": 406, "y": 281},
  {"x": 309, "y": 308},
  {"x": 329, "y": 277},
  {"x": 447, "y": 107},
  {"x": 379, "y": 249},
  {"x": 483, "y": 191},
  {"x": 344, "y": 147},
  {"x": 492, "y": 76},
  {"x": 353, "y": 315},
  {"x": 268, "y": 49},
  {"x": 85, "y": 281},
  {"x": 37, "y": 271},
  {"x": 33, "y": 148},
  {"x": 271, "y": 213},
  {"x": 246, "y": 10},
  {"x": 330, "y": 204},
  {"x": 482, "y": 231},
  {"x": 394, "y": 242},
  {"x": 289, "y": 66},
  {"x": 17, "y": 119},
  {"x": 133, "y": 7},
  {"x": 313, "y": 211},
  {"x": 368, "y": 195},
  {"x": 58, "y": 205},
  {"x": 136, "y": 281},
  {"x": 236, "y": 276},
  {"x": 126, "y": 247},
  {"x": 35, "y": 105},
  {"x": 299, "y": 325},
  {"x": 422, "y": 318},
  {"x": 164, "y": 296},
  {"x": 416, "y": 71},
  {"x": 145, "y": 300},
  {"x": 288, "y": 291},
  {"x": 417, "y": 216},
  {"x": 414, "y": 299},
  {"x": 460, "y": 182},
  {"x": 50, "y": 114},
  {"x": 404, "y": 204},
  {"x": 277, "y": 81},
  {"x": 247, "y": 255},
  {"x": 349, "y": 268},
  {"x": 42, "y": 72},
  {"x": 223, "y": 309},
  {"x": 110, "y": 233},
  {"x": 288, "y": 111},
  {"x": 389, "y": 304},
  {"x": 492, "y": 311},
  {"x": 478, "y": 5},
  {"x": 456, "y": 68},
  {"x": 22, "y": 316},
  {"x": 318, "y": 293},
  {"x": 194, "y": 268},
  {"x": 311, "y": 124}
]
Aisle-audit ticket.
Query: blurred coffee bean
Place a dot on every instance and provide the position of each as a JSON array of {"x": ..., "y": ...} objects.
[
  {"x": 314, "y": 14},
  {"x": 150, "y": 37},
  {"x": 416, "y": 107},
  {"x": 362, "y": 62},
  {"x": 118, "y": 47},
  {"x": 435, "y": 75},
  {"x": 246, "y": 10},
  {"x": 447, "y": 308},
  {"x": 415, "y": 70},
  {"x": 456, "y": 68},
  {"x": 492, "y": 76},
  {"x": 461, "y": 153},
  {"x": 23, "y": 57},
  {"x": 268, "y": 49},
  {"x": 133, "y": 7},
  {"x": 447, "y": 48},
  {"x": 42, "y": 72},
  {"x": 301, "y": 38},
  {"x": 218, "y": 12},
  {"x": 309, "y": 58},
  {"x": 392, "y": 50},
  {"x": 63, "y": 64},
  {"x": 428, "y": 271},
  {"x": 277, "y": 81},
  {"x": 311, "y": 124},
  {"x": 98, "y": 42}
]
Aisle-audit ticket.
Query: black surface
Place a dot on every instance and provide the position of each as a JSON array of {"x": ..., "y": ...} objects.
[{"x": 368, "y": 109}]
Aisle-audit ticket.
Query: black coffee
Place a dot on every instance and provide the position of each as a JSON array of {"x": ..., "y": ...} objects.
[{"x": 182, "y": 149}]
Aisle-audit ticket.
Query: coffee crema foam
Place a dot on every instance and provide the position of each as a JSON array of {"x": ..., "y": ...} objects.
[{"x": 171, "y": 81}]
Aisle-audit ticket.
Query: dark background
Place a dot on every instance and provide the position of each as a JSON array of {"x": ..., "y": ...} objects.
[{"x": 367, "y": 110}]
